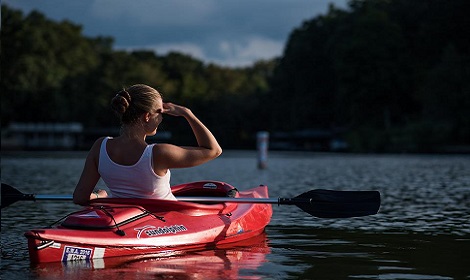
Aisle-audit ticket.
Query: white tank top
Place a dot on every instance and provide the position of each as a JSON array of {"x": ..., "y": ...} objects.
[{"x": 134, "y": 181}]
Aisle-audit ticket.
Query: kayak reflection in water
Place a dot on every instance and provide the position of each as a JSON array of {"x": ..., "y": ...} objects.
[{"x": 129, "y": 166}]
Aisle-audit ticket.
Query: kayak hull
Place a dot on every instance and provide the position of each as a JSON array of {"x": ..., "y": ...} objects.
[
  {"x": 125, "y": 227},
  {"x": 197, "y": 264}
]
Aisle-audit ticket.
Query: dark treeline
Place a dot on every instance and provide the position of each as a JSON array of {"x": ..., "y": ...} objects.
[
  {"x": 52, "y": 73},
  {"x": 395, "y": 74},
  {"x": 390, "y": 75}
]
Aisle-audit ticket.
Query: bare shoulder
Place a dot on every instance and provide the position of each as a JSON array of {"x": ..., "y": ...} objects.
[
  {"x": 161, "y": 158},
  {"x": 98, "y": 142},
  {"x": 95, "y": 149},
  {"x": 165, "y": 152},
  {"x": 162, "y": 150}
]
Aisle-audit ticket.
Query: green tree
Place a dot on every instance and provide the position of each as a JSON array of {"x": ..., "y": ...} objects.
[
  {"x": 378, "y": 69},
  {"x": 395, "y": 74},
  {"x": 445, "y": 96},
  {"x": 303, "y": 86},
  {"x": 38, "y": 55}
]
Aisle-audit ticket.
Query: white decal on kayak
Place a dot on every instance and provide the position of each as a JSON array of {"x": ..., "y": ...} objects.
[
  {"x": 209, "y": 186},
  {"x": 90, "y": 215},
  {"x": 239, "y": 229},
  {"x": 99, "y": 253},
  {"x": 76, "y": 253},
  {"x": 154, "y": 231}
]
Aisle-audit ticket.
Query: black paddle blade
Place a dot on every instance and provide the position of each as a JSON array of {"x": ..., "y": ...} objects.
[
  {"x": 338, "y": 204},
  {"x": 11, "y": 195}
]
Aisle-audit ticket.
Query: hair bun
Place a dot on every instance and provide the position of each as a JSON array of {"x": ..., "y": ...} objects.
[
  {"x": 121, "y": 102},
  {"x": 125, "y": 94}
]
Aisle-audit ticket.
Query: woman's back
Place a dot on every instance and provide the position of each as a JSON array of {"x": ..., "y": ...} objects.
[
  {"x": 129, "y": 176},
  {"x": 124, "y": 153}
]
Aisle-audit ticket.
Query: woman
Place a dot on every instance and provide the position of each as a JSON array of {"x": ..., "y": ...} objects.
[{"x": 127, "y": 164}]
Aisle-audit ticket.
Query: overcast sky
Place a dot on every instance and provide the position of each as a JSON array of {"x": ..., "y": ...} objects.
[{"x": 225, "y": 32}]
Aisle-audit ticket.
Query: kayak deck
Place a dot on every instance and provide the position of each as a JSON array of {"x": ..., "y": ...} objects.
[{"x": 112, "y": 227}]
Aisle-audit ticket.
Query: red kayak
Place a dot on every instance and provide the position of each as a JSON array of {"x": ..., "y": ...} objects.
[{"x": 112, "y": 227}]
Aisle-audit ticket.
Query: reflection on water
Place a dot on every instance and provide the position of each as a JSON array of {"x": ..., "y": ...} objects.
[
  {"x": 340, "y": 254},
  {"x": 421, "y": 232}
]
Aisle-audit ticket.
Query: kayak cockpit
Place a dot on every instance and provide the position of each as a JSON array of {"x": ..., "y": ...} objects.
[
  {"x": 193, "y": 189},
  {"x": 106, "y": 213}
]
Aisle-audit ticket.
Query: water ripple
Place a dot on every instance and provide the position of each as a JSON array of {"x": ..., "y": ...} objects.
[{"x": 421, "y": 232}]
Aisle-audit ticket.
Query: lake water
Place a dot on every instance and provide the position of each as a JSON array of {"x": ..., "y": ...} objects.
[{"x": 421, "y": 232}]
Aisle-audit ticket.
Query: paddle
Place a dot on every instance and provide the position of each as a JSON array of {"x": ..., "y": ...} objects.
[{"x": 319, "y": 203}]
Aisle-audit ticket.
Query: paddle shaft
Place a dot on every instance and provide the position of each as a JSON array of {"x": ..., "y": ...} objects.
[
  {"x": 319, "y": 203},
  {"x": 238, "y": 200},
  {"x": 179, "y": 198},
  {"x": 51, "y": 197}
]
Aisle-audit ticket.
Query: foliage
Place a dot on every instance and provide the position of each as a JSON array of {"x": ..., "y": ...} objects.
[{"x": 393, "y": 75}]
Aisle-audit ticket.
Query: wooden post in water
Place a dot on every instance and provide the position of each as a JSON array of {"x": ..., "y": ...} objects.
[{"x": 262, "y": 140}]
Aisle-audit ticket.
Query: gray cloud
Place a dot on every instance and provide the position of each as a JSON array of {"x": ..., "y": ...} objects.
[{"x": 232, "y": 33}]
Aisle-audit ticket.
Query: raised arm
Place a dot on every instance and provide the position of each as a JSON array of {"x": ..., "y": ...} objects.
[{"x": 171, "y": 156}]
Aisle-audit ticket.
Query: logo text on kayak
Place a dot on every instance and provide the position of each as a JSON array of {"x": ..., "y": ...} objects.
[
  {"x": 76, "y": 253},
  {"x": 154, "y": 231}
]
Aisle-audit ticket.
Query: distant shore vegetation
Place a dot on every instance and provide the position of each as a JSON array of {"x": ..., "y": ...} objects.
[{"x": 379, "y": 76}]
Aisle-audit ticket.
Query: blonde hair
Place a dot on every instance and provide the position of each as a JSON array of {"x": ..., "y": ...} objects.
[{"x": 130, "y": 103}]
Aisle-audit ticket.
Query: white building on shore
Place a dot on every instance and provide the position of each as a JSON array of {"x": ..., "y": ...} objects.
[{"x": 62, "y": 136}]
